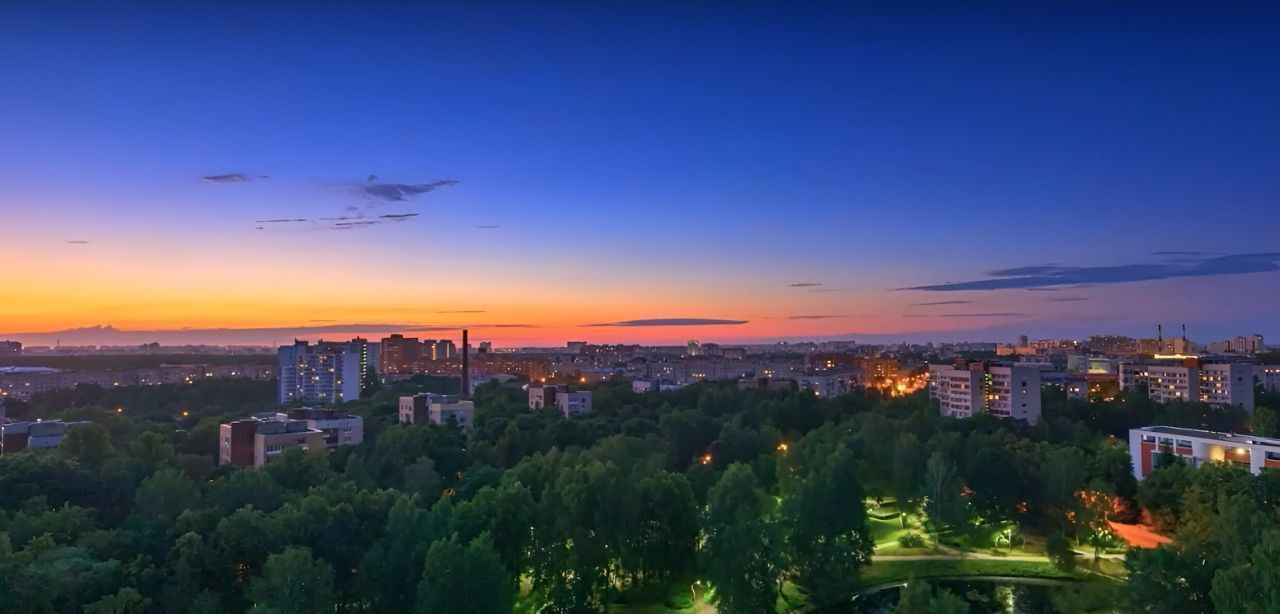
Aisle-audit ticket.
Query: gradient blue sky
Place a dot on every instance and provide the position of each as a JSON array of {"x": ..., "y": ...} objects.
[{"x": 659, "y": 160}]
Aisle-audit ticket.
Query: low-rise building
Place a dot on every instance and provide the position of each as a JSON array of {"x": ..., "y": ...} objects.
[
  {"x": 33, "y": 435},
  {"x": 828, "y": 384},
  {"x": 1196, "y": 447},
  {"x": 253, "y": 442},
  {"x": 437, "y": 409},
  {"x": 574, "y": 402},
  {"x": 339, "y": 428}
]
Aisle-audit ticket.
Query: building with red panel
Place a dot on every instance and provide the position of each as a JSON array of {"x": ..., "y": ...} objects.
[{"x": 1149, "y": 446}]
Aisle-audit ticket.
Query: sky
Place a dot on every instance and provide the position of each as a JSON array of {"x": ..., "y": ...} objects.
[{"x": 648, "y": 172}]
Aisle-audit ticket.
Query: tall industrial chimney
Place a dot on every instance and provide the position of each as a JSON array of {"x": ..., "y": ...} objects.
[
  {"x": 1159, "y": 332},
  {"x": 466, "y": 367}
]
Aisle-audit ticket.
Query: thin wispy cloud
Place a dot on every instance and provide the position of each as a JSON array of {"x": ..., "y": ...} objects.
[
  {"x": 77, "y": 242},
  {"x": 673, "y": 322},
  {"x": 267, "y": 335},
  {"x": 821, "y": 317},
  {"x": 804, "y": 284},
  {"x": 1069, "y": 299},
  {"x": 1042, "y": 276},
  {"x": 233, "y": 178},
  {"x": 997, "y": 314},
  {"x": 488, "y": 226},
  {"x": 464, "y": 311},
  {"x": 344, "y": 222},
  {"x": 937, "y": 303}
]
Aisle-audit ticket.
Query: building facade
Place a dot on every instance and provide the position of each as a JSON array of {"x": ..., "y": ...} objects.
[
  {"x": 1192, "y": 380},
  {"x": 964, "y": 390},
  {"x": 436, "y": 409},
  {"x": 323, "y": 373},
  {"x": 33, "y": 435},
  {"x": 253, "y": 442},
  {"x": 1150, "y": 445}
]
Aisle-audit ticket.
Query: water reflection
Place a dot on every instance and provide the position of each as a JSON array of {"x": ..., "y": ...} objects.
[{"x": 983, "y": 596}]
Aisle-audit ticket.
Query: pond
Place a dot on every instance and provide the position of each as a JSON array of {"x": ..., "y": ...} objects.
[{"x": 984, "y": 595}]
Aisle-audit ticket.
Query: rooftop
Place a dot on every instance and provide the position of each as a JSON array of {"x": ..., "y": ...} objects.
[{"x": 1225, "y": 437}]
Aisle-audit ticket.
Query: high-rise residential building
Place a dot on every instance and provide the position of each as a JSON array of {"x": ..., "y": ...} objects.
[
  {"x": 1269, "y": 378},
  {"x": 437, "y": 409},
  {"x": 444, "y": 349},
  {"x": 324, "y": 373},
  {"x": 10, "y": 348},
  {"x": 964, "y": 390},
  {"x": 485, "y": 347},
  {"x": 400, "y": 354},
  {"x": 1191, "y": 380}
]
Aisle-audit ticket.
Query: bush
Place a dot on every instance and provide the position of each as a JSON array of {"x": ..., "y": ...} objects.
[
  {"x": 679, "y": 598},
  {"x": 911, "y": 540}
]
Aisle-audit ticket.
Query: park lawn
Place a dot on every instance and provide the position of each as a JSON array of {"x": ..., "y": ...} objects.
[
  {"x": 891, "y": 571},
  {"x": 885, "y": 530}
]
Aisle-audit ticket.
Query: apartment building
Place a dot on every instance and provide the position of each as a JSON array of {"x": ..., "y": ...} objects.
[
  {"x": 1193, "y": 446},
  {"x": 1191, "y": 379},
  {"x": 324, "y": 373},
  {"x": 437, "y": 409},
  {"x": 966, "y": 389},
  {"x": 571, "y": 402},
  {"x": 829, "y": 384}
]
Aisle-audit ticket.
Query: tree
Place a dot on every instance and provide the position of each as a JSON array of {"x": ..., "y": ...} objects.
[
  {"x": 907, "y": 473},
  {"x": 942, "y": 489},
  {"x": 741, "y": 552},
  {"x": 1058, "y": 547},
  {"x": 126, "y": 601},
  {"x": 1253, "y": 586},
  {"x": 824, "y": 520},
  {"x": 166, "y": 494},
  {"x": 293, "y": 582},
  {"x": 151, "y": 451},
  {"x": 465, "y": 580},
  {"x": 1263, "y": 422},
  {"x": 919, "y": 597},
  {"x": 87, "y": 445},
  {"x": 1167, "y": 579}
]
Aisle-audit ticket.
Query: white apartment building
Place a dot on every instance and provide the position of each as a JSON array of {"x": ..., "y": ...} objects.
[
  {"x": 323, "y": 373},
  {"x": 1192, "y": 380},
  {"x": 1196, "y": 447},
  {"x": 1002, "y": 391},
  {"x": 1269, "y": 377},
  {"x": 574, "y": 402}
]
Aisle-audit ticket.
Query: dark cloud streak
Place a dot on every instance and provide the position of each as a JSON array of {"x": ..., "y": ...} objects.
[
  {"x": 673, "y": 322},
  {"x": 1031, "y": 277}
]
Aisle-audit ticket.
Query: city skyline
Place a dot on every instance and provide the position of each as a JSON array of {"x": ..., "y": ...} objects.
[{"x": 204, "y": 176}]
